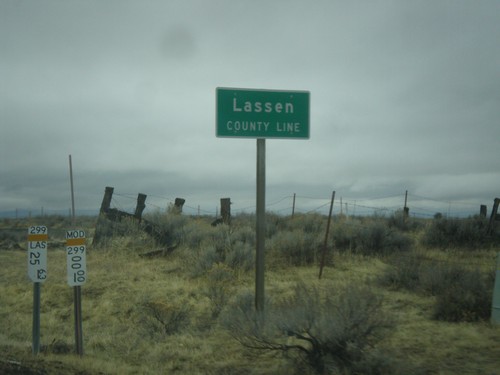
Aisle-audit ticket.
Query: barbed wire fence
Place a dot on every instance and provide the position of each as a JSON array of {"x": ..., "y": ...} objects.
[
  {"x": 287, "y": 206},
  {"x": 419, "y": 206}
]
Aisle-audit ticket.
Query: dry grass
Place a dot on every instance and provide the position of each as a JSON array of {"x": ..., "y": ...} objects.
[{"x": 122, "y": 336}]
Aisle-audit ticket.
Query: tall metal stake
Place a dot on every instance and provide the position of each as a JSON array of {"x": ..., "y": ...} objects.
[
  {"x": 72, "y": 192},
  {"x": 77, "y": 292},
  {"x": 261, "y": 224},
  {"x": 323, "y": 257}
]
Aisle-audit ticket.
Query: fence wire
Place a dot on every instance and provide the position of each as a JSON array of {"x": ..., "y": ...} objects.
[{"x": 419, "y": 206}]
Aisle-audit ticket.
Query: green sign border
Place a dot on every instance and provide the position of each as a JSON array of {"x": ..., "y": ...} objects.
[{"x": 258, "y": 113}]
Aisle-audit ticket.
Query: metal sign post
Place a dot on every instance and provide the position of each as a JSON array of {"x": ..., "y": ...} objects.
[
  {"x": 37, "y": 272},
  {"x": 35, "y": 345},
  {"x": 260, "y": 224},
  {"x": 77, "y": 276},
  {"x": 261, "y": 114},
  {"x": 77, "y": 267}
]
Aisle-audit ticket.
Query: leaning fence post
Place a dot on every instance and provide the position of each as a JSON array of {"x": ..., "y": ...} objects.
[
  {"x": 323, "y": 256},
  {"x": 493, "y": 216},
  {"x": 105, "y": 207},
  {"x": 106, "y": 200}
]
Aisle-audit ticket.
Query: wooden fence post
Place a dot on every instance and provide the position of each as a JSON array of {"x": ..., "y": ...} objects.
[
  {"x": 100, "y": 231},
  {"x": 494, "y": 215},
  {"x": 225, "y": 210},
  {"x": 141, "y": 205},
  {"x": 106, "y": 200},
  {"x": 179, "y": 203},
  {"x": 483, "y": 210}
]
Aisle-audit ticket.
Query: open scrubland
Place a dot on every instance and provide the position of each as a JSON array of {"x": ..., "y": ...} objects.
[{"x": 397, "y": 296}]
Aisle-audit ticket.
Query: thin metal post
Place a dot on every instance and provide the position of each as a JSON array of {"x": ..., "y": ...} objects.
[
  {"x": 72, "y": 191},
  {"x": 36, "y": 318},
  {"x": 260, "y": 225},
  {"x": 77, "y": 292}
]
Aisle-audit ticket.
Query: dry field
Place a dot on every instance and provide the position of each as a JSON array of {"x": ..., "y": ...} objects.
[{"x": 174, "y": 314}]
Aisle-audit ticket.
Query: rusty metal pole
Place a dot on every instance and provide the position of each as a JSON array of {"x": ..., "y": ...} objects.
[{"x": 323, "y": 257}]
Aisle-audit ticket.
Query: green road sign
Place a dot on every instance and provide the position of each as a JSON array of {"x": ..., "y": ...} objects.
[{"x": 252, "y": 113}]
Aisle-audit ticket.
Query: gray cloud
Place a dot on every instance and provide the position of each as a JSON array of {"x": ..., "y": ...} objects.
[{"x": 404, "y": 95}]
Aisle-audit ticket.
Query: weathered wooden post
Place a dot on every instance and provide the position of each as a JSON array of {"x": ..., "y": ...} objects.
[
  {"x": 101, "y": 220},
  {"x": 494, "y": 215},
  {"x": 141, "y": 205},
  {"x": 106, "y": 200},
  {"x": 483, "y": 210},
  {"x": 225, "y": 210},
  {"x": 179, "y": 203}
]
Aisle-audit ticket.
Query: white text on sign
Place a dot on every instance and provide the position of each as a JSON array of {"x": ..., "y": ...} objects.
[
  {"x": 258, "y": 126},
  {"x": 76, "y": 257},
  {"x": 257, "y": 107},
  {"x": 37, "y": 253},
  {"x": 262, "y": 113}
]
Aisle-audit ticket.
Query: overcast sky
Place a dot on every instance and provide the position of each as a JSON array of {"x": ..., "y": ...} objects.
[{"x": 405, "y": 95}]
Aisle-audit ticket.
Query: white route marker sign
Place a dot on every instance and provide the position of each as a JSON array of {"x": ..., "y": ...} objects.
[
  {"x": 37, "y": 253},
  {"x": 76, "y": 258}
]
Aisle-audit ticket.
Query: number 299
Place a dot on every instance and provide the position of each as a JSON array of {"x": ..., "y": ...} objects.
[
  {"x": 39, "y": 229},
  {"x": 74, "y": 250}
]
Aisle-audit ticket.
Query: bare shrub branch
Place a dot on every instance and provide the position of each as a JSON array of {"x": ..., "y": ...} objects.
[{"x": 323, "y": 330}]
